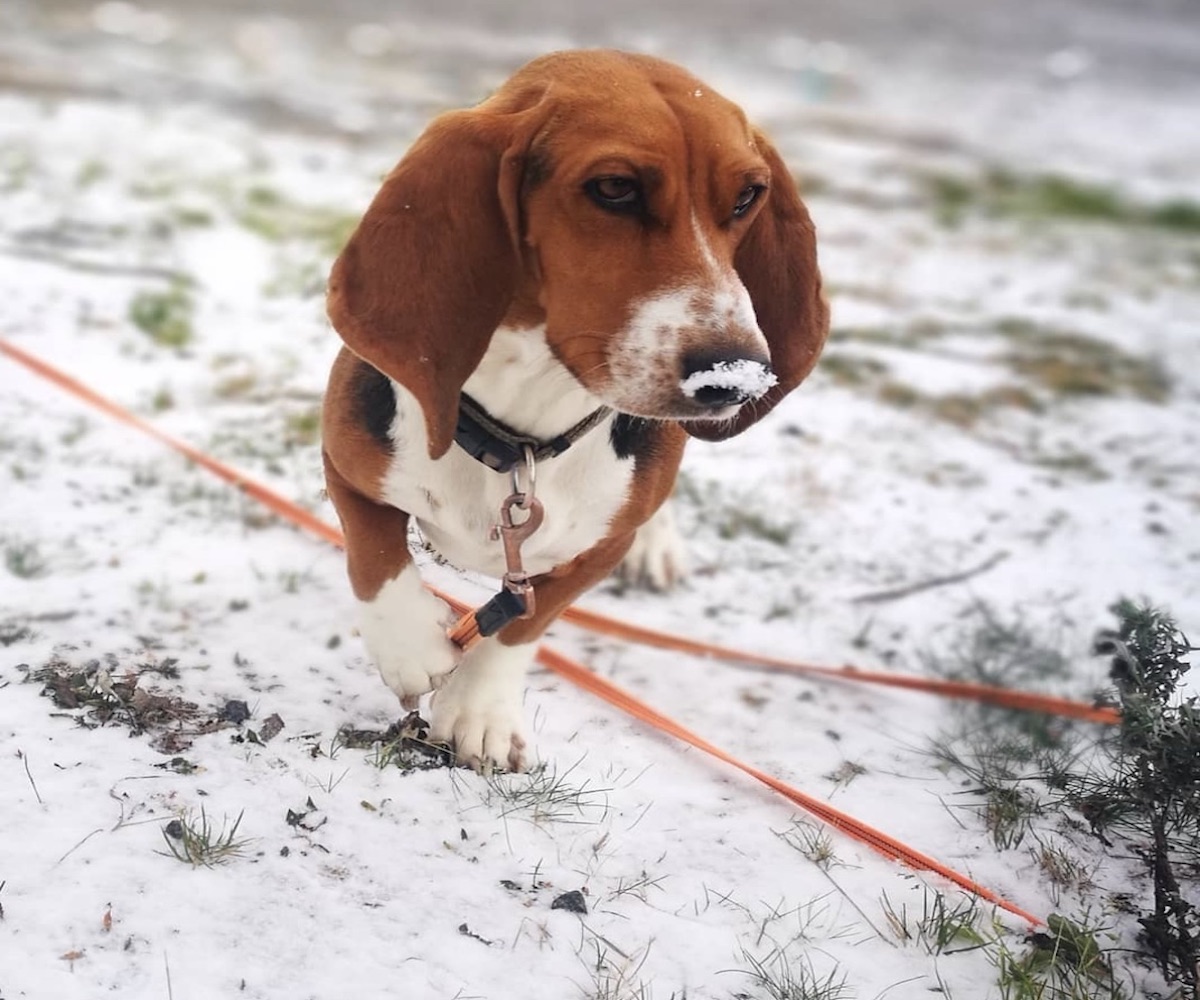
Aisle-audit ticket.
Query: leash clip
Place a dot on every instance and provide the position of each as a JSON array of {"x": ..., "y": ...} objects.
[
  {"x": 513, "y": 535},
  {"x": 515, "y": 598}
]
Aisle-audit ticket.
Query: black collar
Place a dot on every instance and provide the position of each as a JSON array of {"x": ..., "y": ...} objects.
[{"x": 501, "y": 448}]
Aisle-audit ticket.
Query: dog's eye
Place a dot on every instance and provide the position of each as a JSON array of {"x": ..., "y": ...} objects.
[
  {"x": 617, "y": 194},
  {"x": 746, "y": 197}
]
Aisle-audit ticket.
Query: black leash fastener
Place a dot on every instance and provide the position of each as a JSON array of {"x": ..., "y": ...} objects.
[{"x": 515, "y": 599}]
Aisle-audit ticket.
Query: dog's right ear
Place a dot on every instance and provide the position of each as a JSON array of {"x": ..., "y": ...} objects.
[{"x": 433, "y": 266}]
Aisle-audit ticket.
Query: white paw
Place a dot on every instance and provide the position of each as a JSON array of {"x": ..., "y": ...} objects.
[
  {"x": 404, "y": 629},
  {"x": 478, "y": 709},
  {"x": 658, "y": 557}
]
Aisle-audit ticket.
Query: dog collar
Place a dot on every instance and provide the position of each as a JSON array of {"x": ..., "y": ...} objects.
[{"x": 501, "y": 448}]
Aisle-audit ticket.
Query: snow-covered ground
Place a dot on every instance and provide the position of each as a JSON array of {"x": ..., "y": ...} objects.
[{"x": 1013, "y": 383}]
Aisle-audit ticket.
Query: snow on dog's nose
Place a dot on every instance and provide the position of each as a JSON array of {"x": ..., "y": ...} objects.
[{"x": 716, "y": 383}]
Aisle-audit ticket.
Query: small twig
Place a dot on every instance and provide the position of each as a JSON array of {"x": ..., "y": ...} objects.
[
  {"x": 167, "y": 966},
  {"x": 846, "y": 896},
  {"x": 880, "y": 596},
  {"x": 77, "y": 846},
  {"x": 121, "y": 820},
  {"x": 25, "y": 759}
]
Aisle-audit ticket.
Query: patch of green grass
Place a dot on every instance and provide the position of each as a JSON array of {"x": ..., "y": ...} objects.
[
  {"x": 1074, "y": 463},
  {"x": 943, "y": 926},
  {"x": 1178, "y": 213},
  {"x": 1000, "y": 192},
  {"x": 851, "y": 369},
  {"x": 91, "y": 172},
  {"x": 303, "y": 427},
  {"x": 16, "y": 167},
  {"x": 1050, "y": 364},
  {"x": 237, "y": 386},
  {"x": 814, "y": 842},
  {"x": 1007, "y": 759},
  {"x": 166, "y": 316},
  {"x": 737, "y": 521},
  {"x": 1056, "y": 195},
  {"x": 960, "y": 409},
  {"x": 275, "y": 217},
  {"x": 190, "y": 217},
  {"x": 298, "y": 279},
  {"x": 613, "y": 977},
  {"x": 162, "y": 400},
  {"x": 24, "y": 560},
  {"x": 544, "y": 795},
  {"x": 148, "y": 188},
  {"x": 901, "y": 395},
  {"x": 1063, "y": 870},
  {"x": 964, "y": 410},
  {"x": 195, "y": 840},
  {"x": 912, "y": 333},
  {"x": 782, "y": 978},
  {"x": 1073, "y": 364},
  {"x": 1066, "y": 962},
  {"x": 951, "y": 197}
]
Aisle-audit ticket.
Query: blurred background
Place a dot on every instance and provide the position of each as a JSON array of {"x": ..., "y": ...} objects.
[{"x": 1106, "y": 86}]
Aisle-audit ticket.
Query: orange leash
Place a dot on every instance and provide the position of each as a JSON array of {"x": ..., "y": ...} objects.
[
  {"x": 570, "y": 669},
  {"x": 879, "y": 841},
  {"x": 1030, "y": 701},
  {"x": 284, "y": 508}
]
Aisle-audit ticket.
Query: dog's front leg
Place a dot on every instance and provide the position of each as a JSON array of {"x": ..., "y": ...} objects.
[
  {"x": 478, "y": 708},
  {"x": 403, "y": 625}
]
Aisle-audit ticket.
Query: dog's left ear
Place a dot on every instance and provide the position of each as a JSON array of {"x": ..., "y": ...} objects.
[{"x": 777, "y": 262}]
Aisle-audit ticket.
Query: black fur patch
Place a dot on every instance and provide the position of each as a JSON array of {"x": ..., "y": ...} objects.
[
  {"x": 374, "y": 402},
  {"x": 631, "y": 437},
  {"x": 538, "y": 168}
]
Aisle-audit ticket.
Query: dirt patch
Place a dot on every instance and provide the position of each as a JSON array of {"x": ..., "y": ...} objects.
[
  {"x": 104, "y": 692},
  {"x": 404, "y": 745}
]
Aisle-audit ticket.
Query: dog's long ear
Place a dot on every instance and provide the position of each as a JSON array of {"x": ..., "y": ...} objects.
[
  {"x": 433, "y": 266},
  {"x": 777, "y": 262}
]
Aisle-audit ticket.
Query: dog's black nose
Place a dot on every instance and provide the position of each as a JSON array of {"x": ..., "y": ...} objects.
[{"x": 716, "y": 381}]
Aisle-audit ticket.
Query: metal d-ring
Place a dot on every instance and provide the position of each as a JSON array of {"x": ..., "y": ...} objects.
[{"x": 529, "y": 466}]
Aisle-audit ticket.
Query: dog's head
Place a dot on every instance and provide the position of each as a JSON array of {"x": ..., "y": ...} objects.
[{"x": 622, "y": 204}]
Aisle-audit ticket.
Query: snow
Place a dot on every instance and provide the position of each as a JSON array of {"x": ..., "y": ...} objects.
[
  {"x": 121, "y": 554},
  {"x": 749, "y": 377}
]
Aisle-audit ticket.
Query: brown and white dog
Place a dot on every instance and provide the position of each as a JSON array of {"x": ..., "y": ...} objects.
[{"x": 603, "y": 235}]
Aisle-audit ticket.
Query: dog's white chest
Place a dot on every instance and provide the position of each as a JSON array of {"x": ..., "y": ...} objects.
[{"x": 456, "y": 499}]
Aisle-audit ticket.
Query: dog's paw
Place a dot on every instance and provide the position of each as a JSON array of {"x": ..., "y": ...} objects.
[
  {"x": 484, "y": 739},
  {"x": 478, "y": 708},
  {"x": 417, "y": 670},
  {"x": 404, "y": 631},
  {"x": 658, "y": 557}
]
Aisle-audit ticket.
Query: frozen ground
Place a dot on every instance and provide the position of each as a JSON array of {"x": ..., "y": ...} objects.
[{"x": 1013, "y": 382}]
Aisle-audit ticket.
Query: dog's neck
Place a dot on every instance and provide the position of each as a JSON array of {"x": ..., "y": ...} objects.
[{"x": 520, "y": 383}]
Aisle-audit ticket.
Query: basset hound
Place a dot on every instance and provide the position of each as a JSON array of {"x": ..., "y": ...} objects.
[{"x": 603, "y": 254}]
